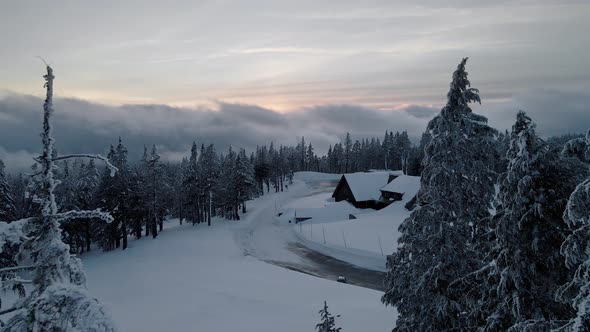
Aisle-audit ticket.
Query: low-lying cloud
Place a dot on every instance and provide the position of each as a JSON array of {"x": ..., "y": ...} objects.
[{"x": 82, "y": 126}]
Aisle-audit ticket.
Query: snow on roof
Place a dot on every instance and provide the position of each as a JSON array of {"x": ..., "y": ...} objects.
[
  {"x": 403, "y": 184},
  {"x": 365, "y": 186}
]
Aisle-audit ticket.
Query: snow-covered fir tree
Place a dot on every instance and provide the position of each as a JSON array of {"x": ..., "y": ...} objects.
[
  {"x": 7, "y": 208},
  {"x": 154, "y": 192},
  {"x": 525, "y": 270},
  {"x": 435, "y": 247},
  {"x": 86, "y": 187},
  {"x": 115, "y": 193},
  {"x": 347, "y": 153},
  {"x": 209, "y": 169},
  {"x": 58, "y": 300},
  {"x": 244, "y": 179},
  {"x": 18, "y": 185},
  {"x": 328, "y": 322},
  {"x": 576, "y": 248},
  {"x": 226, "y": 193},
  {"x": 192, "y": 189}
]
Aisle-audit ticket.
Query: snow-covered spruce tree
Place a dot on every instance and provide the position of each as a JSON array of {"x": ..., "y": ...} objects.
[
  {"x": 59, "y": 300},
  {"x": 191, "y": 185},
  {"x": 227, "y": 197},
  {"x": 19, "y": 188},
  {"x": 153, "y": 187},
  {"x": 236, "y": 184},
  {"x": 327, "y": 323},
  {"x": 82, "y": 183},
  {"x": 576, "y": 248},
  {"x": 158, "y": 186},
  {"x": 244, "y": 179},
  {"x": 7, "y": 208},
  {"x": 210, "y": 175},
  {"x": 578, "y": 148},
  {"x": 114, "y": 196},
  {"x": 521, "y": 279},
  {"x": 404, "y": 145},
  {"x": 436, "y": 247}
]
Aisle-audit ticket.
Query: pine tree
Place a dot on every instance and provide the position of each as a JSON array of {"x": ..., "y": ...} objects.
[
  {"x": 347, "y": 153},
  {"x": 191, "y": 188},
  {"x": 395, "y": 152},
  {"x": 154, "y": 193},
  {"x": 302, "y": 155},
  {"x": 526, "y": 269},
  {"x": 404, "y": 146},
  {"x": 227, "y": 195},
  {"x": 59, "y": 300},
  {"x": 262, "y": 168},
  {"x": 327, "y": 323},
  {"x": 115, "y": 196},
  {"x": 86, "y": 188},
  {"x": 576, "y": 247},
  {"x": 7, "y": 208},
  {"x": 386, "y": 147},
  {"x": 210, "y": 173},
  {"x": 244, "y": 179},
  {"x": 435, "y": 247}
]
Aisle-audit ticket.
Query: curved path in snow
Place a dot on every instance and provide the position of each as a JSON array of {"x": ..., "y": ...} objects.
[{"x": 262, "y": 236}]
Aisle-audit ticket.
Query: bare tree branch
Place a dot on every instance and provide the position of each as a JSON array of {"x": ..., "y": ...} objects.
[
  {"x": 91, "y": 156},
  {"x": 105, "y": 216}
]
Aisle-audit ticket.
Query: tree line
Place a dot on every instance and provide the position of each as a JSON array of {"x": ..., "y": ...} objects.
[{"x": 204, "y": 184}]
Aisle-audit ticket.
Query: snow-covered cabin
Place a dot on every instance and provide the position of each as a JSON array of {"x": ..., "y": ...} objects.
[
  {"x": 395, "y": 190},
  {"x": 362, "y": 189}
]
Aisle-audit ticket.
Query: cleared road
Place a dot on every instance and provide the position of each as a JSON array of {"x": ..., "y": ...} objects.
[{"x": 262, "y": 236}]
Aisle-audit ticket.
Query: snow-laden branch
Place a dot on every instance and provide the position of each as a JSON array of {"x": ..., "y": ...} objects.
[
  {"x": 16, "y": 268},
  {"x": 61, "y": 307},
  {"x": 32, "y": 175},
  {"x": 16, "y": 281},
  {"x": 89, "y": 214},
  {"x": 7, "y": 311},
  {"x": 91, "y": 156}
]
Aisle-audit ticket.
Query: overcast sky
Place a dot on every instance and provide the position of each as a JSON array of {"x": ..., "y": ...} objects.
[{"x": 259, "y": 70}]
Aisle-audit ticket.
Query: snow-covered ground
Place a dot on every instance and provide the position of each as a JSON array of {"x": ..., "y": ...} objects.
[
  {"x": 364, "y": 241},
  {"x": 199, "y": 278}
]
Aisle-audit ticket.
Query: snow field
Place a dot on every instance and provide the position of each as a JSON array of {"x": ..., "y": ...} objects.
[{"x": 199, "y": 278}]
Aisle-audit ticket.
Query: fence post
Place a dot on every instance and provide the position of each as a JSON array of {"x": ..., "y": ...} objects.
[
  {"x": 324, "y": 233},
  {"x": 380, "y": 247},
  {"x": 344, "y": 239}
]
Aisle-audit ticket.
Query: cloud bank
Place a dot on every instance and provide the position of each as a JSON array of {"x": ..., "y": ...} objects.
[{"x": 82, "y": 126}]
